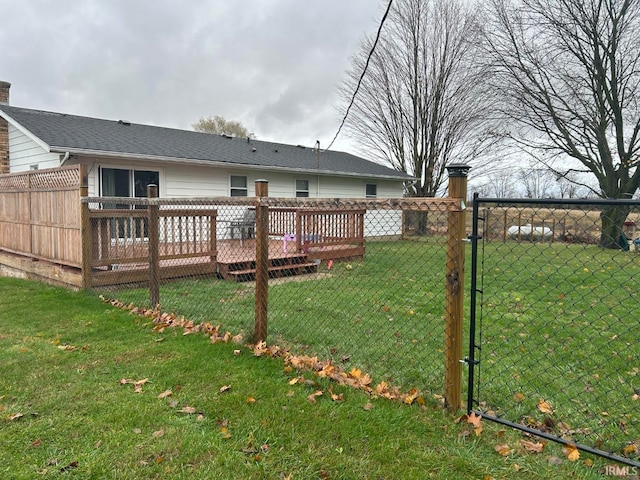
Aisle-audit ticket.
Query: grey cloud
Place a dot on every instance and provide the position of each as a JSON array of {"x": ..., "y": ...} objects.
[{"x": 272, "y": 64}]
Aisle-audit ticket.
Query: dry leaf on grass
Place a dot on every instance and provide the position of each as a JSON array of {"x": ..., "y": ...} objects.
[
  {"x": 544, "y": 406},
  {"x": 312, "y": 398},
  {"x": 503, "y": 449},
  {"x": 476, "y": 421},
  {"x": 535, "y": 447},
  {"x": 571, "y": 452},
  {"x": 165, "y": 394},
  {"x": 188, "y": 410}
]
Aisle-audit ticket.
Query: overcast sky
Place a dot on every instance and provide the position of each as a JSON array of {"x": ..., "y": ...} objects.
[{"x": 274, "y": 65}]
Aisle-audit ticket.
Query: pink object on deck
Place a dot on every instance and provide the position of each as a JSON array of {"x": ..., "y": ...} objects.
[{"x": 285, "y": 239}]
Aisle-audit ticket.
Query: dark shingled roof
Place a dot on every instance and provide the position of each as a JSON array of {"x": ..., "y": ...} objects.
[{"x": 86, "y": 135}]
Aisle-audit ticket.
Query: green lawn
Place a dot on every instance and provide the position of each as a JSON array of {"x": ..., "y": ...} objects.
[
  {"x": 65, "y": 414},
  {"x": 559, "y": 323}
]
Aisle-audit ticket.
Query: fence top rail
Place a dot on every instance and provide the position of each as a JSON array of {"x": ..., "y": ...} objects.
[
  {"x": 62, "y": 178},
  {"x": 186, "y": 201},
  {"x": 118, "y": 212},
  {"x": 558, "y": 201},
  {"x": 409, "y": 204},
  {"x": 337, "y": 211}
]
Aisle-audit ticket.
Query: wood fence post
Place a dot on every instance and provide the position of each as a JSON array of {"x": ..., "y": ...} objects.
[
  {"x": 456, "y": 229},
  {"x": 154, "y": 248},
  {"x": 262, "y": 264},
  {"x": 85, "y": 230}
]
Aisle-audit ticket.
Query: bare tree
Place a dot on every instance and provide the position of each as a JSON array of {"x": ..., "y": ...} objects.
[
  {"x": 537, "y": 182},
  {"x": 569, "y": 70},
  {"x": 423, "y": 103},
  {"x": 219, "y": 125},
  {"x": 502, "y": 184}
]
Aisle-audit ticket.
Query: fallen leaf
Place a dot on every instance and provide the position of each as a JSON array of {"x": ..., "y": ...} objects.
[
  {"x": 337, "y": 398},
  {"x": 224, "y": 431},
  {"x": 476, "y": 421},
  {"x": 36, "y": 443},
  {"x": 165, "y": 394},
  {"x": 225, "y": 388},
  {"x": 158, "y": 433},
  {"x": 15, "y": 416},
  {"x": 535, "y": 447},
  {"x": 312, "y": 398},
  {"x": 137, "y": 386},
  {"x": 411, "y": 396},
  {"x": 200, "y": 418},
  {"x": 631, "y": 449},
  {"x": 544, "y": 407},
  {"x": 66, "y": 348},
  {"x": 237, "y": 352},
  {"x": 503, "y": 449},
  {"x": 571, "y": 452},
  {"x": 187, "y": 409},
  {"x": 368, "y": 406},
  {"x": 250, "y": 400},
  {"x": 518, "y": 397}
]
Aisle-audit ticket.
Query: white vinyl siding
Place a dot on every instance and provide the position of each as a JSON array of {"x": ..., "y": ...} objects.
[{"x": 24, "y": 153}]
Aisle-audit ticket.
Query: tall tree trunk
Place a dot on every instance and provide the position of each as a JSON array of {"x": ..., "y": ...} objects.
[{"x": 612, "y": 218}]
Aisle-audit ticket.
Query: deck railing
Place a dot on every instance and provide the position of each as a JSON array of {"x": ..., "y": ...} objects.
[
  {"x": 120, "y": 240},
  {"x": 319, "y": 232}
]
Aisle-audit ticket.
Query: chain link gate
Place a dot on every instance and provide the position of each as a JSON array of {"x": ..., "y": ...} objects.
[{"x": 554, "y": 341}]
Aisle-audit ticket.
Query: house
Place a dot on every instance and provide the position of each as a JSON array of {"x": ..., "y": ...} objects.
[{"x": 124, "y": 157}]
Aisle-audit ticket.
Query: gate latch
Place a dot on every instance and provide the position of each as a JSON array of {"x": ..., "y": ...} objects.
[{"x": 469, "y": 362}]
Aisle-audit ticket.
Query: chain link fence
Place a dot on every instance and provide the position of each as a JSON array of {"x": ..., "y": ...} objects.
[
  {"x": 557, "y": 327},
  {"x": 358, "y": 282}
]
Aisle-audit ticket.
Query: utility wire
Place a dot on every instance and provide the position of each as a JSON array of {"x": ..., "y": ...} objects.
[{"x": 364, "y": 71}]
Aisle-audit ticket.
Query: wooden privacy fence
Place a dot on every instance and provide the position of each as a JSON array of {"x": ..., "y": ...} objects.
[{"x": 40, "y": 214}]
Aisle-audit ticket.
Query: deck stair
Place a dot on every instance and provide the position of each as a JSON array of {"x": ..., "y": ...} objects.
[{"x": 286, "y": 266}]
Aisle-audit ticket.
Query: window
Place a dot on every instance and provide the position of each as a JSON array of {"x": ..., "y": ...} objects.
[
  {"x": 302, "y": 188},
  {"x": 238, "y": 186},
  {"x": 33, "y": 167},
  {"x": 119, "y": 182},
  {"x": 371, "y": 190}
]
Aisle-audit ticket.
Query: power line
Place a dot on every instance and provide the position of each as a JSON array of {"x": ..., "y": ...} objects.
[{"x": 364, "y": 71}]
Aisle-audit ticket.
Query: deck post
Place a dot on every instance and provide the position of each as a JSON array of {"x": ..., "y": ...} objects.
[
  {"x": 154, "y": 248},
  {"x": 85, "y": 230},
  {"x": 454, "y": 299},
  {"x": 262, "y": 264}
]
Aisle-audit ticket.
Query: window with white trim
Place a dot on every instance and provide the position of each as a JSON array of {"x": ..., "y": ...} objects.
[
  {"x": 238, "y": 186},
  {"x": 371, "y": 190},
  {"x": 302, "y": 188}
]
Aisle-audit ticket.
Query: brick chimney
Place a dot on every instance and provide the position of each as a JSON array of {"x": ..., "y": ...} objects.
[{"x": 4, "y": 129}]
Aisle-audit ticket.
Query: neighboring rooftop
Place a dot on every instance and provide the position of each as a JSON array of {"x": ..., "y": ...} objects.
[{"x": 86, "y": 136}]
